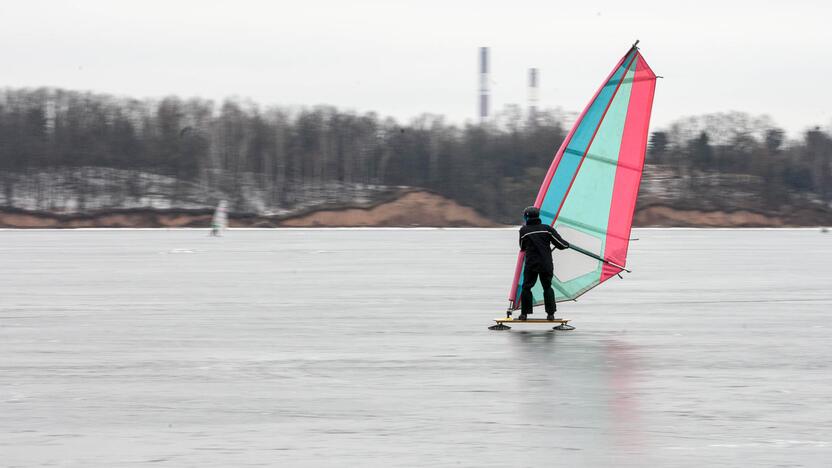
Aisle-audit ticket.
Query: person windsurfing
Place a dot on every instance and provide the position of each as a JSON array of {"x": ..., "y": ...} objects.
[
  {"x": 535, "y": 241},
  {"x": 220, "y": 220}
]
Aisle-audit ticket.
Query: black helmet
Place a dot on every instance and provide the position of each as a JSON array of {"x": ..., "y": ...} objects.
[{"x": 531, "y": 212}]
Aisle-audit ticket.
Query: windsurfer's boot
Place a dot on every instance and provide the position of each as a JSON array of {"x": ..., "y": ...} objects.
[
  {"x": 550, "y": 317},
  {"x": 521, "y": 317}
]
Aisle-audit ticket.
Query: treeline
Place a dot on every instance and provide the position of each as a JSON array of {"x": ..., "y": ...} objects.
[
  {"x": 289, "y": 153},
  {"x": 720, "y": 157}
]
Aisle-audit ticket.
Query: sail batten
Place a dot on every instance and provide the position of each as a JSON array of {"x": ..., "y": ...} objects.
[
  {"x": 577, "y": 224},
  {"x": 589, "y": 192},
  {"x": 607, "y": 160}
]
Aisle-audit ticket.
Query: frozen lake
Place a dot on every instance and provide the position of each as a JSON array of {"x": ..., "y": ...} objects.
[{"x": 371, "y": 348}]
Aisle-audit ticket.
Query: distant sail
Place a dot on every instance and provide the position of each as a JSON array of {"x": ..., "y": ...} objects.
[
  {"x": 220, "y": 221},
  {"x": 590, "y": 191}
]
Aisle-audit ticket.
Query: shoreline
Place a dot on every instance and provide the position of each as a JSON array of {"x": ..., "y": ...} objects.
[
  {"x": 420, "y": 228},
  {"x": 409, "y": 209}
]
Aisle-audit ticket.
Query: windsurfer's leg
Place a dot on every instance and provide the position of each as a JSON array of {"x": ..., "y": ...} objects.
[
  {"x": 548, "y": 293},
  {"x": 526, "y": 298}
]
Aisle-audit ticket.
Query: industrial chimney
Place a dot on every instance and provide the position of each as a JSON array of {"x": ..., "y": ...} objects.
[
  {"x": 483, "y": 84},
  {"x": 534, "y": 83}
]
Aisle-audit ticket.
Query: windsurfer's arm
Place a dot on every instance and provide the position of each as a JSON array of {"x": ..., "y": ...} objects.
[
  {"x": 557, "y": 240},
  {"x": 521, "y": 241}
]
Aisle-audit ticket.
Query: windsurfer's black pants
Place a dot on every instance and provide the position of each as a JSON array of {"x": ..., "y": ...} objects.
[{"x": 526, "y": 298}]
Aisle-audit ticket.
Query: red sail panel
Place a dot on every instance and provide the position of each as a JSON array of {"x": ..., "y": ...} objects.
[{"x": 630, "y": 165}]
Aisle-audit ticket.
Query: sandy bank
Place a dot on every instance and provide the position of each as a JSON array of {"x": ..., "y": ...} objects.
[
  {"x": 405, "y": 209},
  {"x": 409, "y": 208},
  {"x": 665, "y": 216},
  {"x": 415, "y": 208}
]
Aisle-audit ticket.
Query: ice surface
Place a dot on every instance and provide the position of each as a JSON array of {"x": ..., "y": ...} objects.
[{"x": 370, "y": 348}]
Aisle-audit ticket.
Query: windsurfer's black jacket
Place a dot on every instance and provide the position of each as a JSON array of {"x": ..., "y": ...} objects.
[{"x": 535, "y": 239}]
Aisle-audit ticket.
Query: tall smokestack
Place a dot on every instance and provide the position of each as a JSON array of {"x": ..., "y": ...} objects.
[
  {"x": 534, "y": 84},
  {"x": 483, "y": 84}
]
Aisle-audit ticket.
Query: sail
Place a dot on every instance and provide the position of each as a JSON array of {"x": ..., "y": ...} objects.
[
  {"x": 590, "y": 190},
  {"x": 220, "y": 221}
]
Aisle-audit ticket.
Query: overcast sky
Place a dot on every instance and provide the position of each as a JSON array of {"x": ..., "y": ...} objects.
[{"x": 403, "y": 58}]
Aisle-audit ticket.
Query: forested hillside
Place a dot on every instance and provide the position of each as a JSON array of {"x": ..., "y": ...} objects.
[{"x": 68, "y": 151}]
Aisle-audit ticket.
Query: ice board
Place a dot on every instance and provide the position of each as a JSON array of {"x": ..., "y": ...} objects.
[
  {"x": 514, "y": 320},
  {"x": 562, "y": 324}
]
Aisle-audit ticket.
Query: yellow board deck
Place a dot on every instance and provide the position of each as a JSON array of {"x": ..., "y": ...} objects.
[{"x": 514, "y": 320}]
